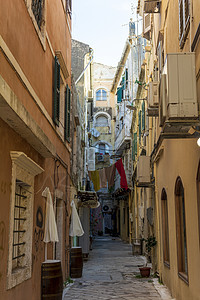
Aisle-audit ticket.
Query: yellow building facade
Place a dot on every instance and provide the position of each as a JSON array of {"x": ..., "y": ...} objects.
[{"x": 172, "y": 78}]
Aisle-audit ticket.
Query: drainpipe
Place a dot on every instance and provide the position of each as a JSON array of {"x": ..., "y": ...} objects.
[{"x": 91, "y": 55}]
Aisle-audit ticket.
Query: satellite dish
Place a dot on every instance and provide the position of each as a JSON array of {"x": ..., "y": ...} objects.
[{"x": 95, "y": 132}]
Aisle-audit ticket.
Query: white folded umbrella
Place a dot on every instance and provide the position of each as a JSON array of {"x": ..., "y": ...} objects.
[
  {"x": 75, "y": 226},
  {"x": 50, "y": 231}
]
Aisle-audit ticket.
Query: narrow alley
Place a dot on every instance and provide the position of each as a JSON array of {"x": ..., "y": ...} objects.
[{"x": 112, "y": 272}]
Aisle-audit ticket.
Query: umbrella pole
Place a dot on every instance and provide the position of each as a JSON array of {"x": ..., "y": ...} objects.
[{"x": 45, "y": 251}]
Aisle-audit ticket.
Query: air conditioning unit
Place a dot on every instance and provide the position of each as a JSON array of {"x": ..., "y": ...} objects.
[
  {"x": 163, "y": 95},
  {"x": 146, "y": 26},
  {"x": 90, "y": 95},
  {"x": 91, "y": 159},
  {"x": 180, "y": 100},
  {"x": 153, "y": 94},
  {"x": 143, "y": 171}
]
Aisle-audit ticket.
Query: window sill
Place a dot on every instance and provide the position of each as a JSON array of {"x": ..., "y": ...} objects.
[
  {"x": 167, "y": 264},
  {"x": 184, "y": 277}
]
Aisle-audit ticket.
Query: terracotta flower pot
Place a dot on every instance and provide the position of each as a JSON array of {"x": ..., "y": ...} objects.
[{"x": 145, "y": 271}]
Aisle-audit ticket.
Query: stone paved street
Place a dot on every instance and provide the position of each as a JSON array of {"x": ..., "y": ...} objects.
[{"x": 112, "y": 273}]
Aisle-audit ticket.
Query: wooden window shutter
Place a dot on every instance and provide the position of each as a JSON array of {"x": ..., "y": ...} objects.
[
  {"x": 135, "y": 143},
  {"x": 180, "y": 18},
  {"x": 139, "y": 124},
  {"x": 67, "y": 113},
  {"x": 143, "y": 115},
  {"x": 56, "y": 100}
]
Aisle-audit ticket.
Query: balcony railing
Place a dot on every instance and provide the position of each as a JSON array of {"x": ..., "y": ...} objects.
[{"x": 123, "y": 139}]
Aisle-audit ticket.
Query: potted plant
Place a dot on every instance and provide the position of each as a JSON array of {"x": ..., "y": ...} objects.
[{"x": 150, "y": 243}]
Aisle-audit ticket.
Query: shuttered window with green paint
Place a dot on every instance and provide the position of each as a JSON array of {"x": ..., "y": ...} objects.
[
  {"x": 135, "y": 144},
  {"x": 67, "y": 113},
  {"x": 143, "y": 115},
  {"x": 119, "y": 94},
  {"x": 139, "y": 123},
  {"x": 56, "y": 100}
]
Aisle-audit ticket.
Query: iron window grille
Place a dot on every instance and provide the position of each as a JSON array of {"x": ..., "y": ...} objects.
[
  {"x": 19, "y": 224},
  {"x": 37, "y": 8}
]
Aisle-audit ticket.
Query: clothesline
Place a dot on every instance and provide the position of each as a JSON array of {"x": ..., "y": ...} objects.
[{"x": 102, "y": 176}]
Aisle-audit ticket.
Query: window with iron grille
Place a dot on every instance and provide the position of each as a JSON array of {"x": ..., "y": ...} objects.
[
  {"x": 20, "y": 217},
  {"x": 37, "y": 9},
  {"x": 184, "y": 21}
]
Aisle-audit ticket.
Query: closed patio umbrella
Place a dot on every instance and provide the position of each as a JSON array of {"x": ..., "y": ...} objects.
[
  {"x": 50, "y": 231},
  {"x": 75, "y": 226}
]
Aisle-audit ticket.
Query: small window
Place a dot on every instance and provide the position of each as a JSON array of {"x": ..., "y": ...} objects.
[
  {"x": 37, "y": 9},
  {"x": 165, "y": 227},
  {"x": 184, "y": 21},
  {"x": 101, "y": 95},
  {"x": 181, "y": 230}
]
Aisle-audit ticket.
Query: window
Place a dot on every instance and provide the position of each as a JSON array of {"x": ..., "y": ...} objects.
[
  {"x": 21, "y": 218},
  {"x": 37, "y": 13},
  {"x": 165, "y": 227},
  {"x": 102, "y": 148},
  {"x": 101, "y": 95},
  {"x": 37, "y": 8},
  {"x": 184, "y": 21},
  {"x": 67, "y": 113},
  {"x": 181, "y": 230},
  {"x": 101, "y": 121}
]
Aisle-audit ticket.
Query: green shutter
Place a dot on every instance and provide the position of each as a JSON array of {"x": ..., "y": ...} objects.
[
  {"x": 139, "y": 124},
  {"x": 119, "y": 95},
  {"x": 56, "y": 100},
  {"x": 126, "y": 76},
  {"x": 135, "y": 144},
  {"x": 143, "y": 115},
  {"x": 67, "y": 113}
]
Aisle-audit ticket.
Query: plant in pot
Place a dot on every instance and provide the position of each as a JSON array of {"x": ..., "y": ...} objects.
[{"x": 150, "y": 243}]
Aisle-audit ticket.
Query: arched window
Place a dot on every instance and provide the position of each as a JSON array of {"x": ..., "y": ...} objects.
[
  {"x": 165, "y": 227},
  {"x": 181, "y": 230},
  {"x": 101, "y": 95},
  {"x": 102, "y": 148},
  {"x": 101, "y": 121}
]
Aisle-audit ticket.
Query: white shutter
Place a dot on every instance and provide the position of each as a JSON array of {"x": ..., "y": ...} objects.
[
  {"x": 146, "y": 25},
  {"x": 91, "y": 159}
]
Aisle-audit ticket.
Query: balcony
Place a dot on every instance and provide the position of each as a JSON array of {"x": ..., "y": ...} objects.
[
  {"x": 123, "y": 140},
  {"x": 152, "y": 6}
]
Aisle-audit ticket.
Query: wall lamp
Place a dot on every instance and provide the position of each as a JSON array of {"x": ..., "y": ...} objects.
[
  {"x": 195, "y": 131},
  {"x": 131, "y": 106}
]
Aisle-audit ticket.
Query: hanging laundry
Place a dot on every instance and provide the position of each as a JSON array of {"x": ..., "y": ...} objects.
[
  {"x": 102, "y": 178},
  {"x": 120, "y": 169},
  {"x": 94, "y": 177},
  {"x": 110, "y": 175}
]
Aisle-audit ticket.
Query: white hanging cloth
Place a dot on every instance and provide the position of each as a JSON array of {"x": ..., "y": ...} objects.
[
  {"x": 75, "y": 226},
  {"x": 50, "y": 231}
]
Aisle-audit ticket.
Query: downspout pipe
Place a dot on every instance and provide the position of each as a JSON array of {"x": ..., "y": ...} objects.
[{"x": 92, "y": 57}]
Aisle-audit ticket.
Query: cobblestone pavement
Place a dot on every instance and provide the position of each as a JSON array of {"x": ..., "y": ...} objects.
[{"x": 111, "y": 272}]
